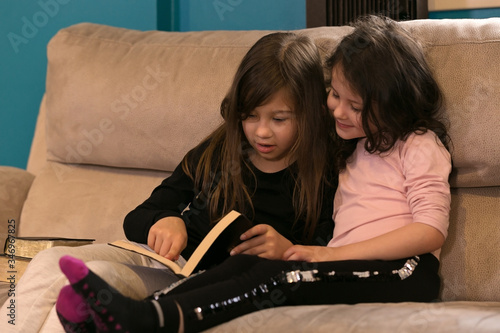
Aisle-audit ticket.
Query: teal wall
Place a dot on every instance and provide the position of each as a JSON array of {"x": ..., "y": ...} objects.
[
  {"x": 26, "y": 26},
  {"x": 196, "y": 15},
  {"x": 25, "y": 29},
  {"x": 468, "y": 13}
]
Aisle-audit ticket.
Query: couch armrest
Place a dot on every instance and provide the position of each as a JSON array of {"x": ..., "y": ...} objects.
[{"x": 14, "y": 186}]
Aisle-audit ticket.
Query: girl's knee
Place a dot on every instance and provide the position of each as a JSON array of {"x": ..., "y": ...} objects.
[
  {"x": 50, "y": 255},
  {"x": 119, "y": 276}
]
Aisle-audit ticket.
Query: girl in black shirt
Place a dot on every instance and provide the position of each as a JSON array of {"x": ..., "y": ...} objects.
[{"x": 269, "y": 160}]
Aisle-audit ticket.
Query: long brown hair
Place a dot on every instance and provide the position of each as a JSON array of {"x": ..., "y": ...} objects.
[
  {"x": 276, "y": 61},
  {"x": 386, "y": 66}
]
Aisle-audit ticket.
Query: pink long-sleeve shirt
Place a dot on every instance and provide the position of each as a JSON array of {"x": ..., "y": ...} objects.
[{"x": 378, "y": 193}]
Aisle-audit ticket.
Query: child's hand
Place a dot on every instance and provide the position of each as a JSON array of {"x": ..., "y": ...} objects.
[
  {"x": 264, "y": 241},
  {"x": 308, "y": 253},
  {"x": 168, "y": 237}
]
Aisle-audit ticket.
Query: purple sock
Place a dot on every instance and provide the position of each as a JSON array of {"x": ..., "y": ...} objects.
[
  {"x": 73, "y": 268},
  {"x": 73, "y": 312},
  {"x": 113, "y": 312}
]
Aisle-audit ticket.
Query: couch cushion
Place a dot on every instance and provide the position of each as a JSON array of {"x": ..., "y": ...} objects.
[
  {"x": 14, "y": 186},
  {"x": 84, "y": 201},
  {"x": 126, "y": 98},
  {"x": 461, "y": 53},
  {"x": 469, "y": 259},
  {"x": 453, "y": 317}
]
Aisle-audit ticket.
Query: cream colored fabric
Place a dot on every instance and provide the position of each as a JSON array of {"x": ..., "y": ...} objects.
[
  {"x": 453, "y": 317},
  {"x": 462, "y": 53},
  {"x": 156, "y": 94},
  {"x": 84, "y": 201},
  {"x": 14, "y": 186},
  {"x": 38, "y": 151},
  {"x": 125, "y": 98},
  {"x": 470, "y": 257}
]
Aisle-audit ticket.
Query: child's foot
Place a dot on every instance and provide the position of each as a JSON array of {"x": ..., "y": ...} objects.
[
  {"x": 113, "y": 312},
  {"x": 74, "y": 312}
]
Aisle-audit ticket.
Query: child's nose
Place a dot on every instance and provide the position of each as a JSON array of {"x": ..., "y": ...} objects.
[
  {"x": 333, "y": 106},
  {"x": 339, "y": 110},
  {"x": 263, "y": 130}
]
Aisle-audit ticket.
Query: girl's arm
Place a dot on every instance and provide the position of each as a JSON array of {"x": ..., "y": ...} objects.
[
  {"x": 426, "y": 165},
  {"x": 168, "y": 199},
  {"x": 166, "y": 203},
  {"x": 413, "y": 239}
]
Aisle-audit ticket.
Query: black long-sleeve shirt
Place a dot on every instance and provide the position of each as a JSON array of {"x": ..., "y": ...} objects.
[{"x": 272, "y": 198}]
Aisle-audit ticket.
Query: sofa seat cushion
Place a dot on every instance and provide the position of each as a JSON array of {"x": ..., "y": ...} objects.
[{"x": 452, "y": 317}]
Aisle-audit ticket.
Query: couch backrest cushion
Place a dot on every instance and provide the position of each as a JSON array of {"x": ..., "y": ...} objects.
[
  {"x": 125, "y": 98},
  {"x": 470, "y": 269},
  {"x": 463, "y": 54}
]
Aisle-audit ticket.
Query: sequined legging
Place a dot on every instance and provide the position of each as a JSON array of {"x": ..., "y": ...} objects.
[{"x": 244, "y": 284}]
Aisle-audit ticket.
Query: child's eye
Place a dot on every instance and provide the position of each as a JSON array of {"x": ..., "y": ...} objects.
[
  {"x": 334, "y": 94},
  {"x": 355, "y": 109},
  {"x": 279, "y": 119}
]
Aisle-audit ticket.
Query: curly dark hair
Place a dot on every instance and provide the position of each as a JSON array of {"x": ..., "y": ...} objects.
[{"x": 387, "y": 68}]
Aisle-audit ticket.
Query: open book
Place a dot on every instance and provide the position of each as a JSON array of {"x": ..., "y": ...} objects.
[{"x": 223, "y": 237}]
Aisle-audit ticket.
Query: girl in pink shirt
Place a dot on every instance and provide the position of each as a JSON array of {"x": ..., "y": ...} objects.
[{"x": 391, "y": 208}]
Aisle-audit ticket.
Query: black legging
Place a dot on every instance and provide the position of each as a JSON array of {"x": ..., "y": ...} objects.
[{"x": 244, "y": 284}]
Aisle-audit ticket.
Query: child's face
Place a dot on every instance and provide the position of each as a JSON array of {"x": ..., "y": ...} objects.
[
  {"x": 271, "y": 130},
  {"x": 345, "y": 106}
]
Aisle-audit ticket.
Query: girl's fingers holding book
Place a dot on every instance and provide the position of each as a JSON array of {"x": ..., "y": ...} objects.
[
  {"x": 248, "y": 247},
  {"x": 251, "y": 239},
  {"x": 259, "y": 229},
  {"x": 168, "y": 237},
  {"x": 264, "y": 241}
]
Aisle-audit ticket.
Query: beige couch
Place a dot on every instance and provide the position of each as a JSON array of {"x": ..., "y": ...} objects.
[{"x": 122, "y": 107}]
